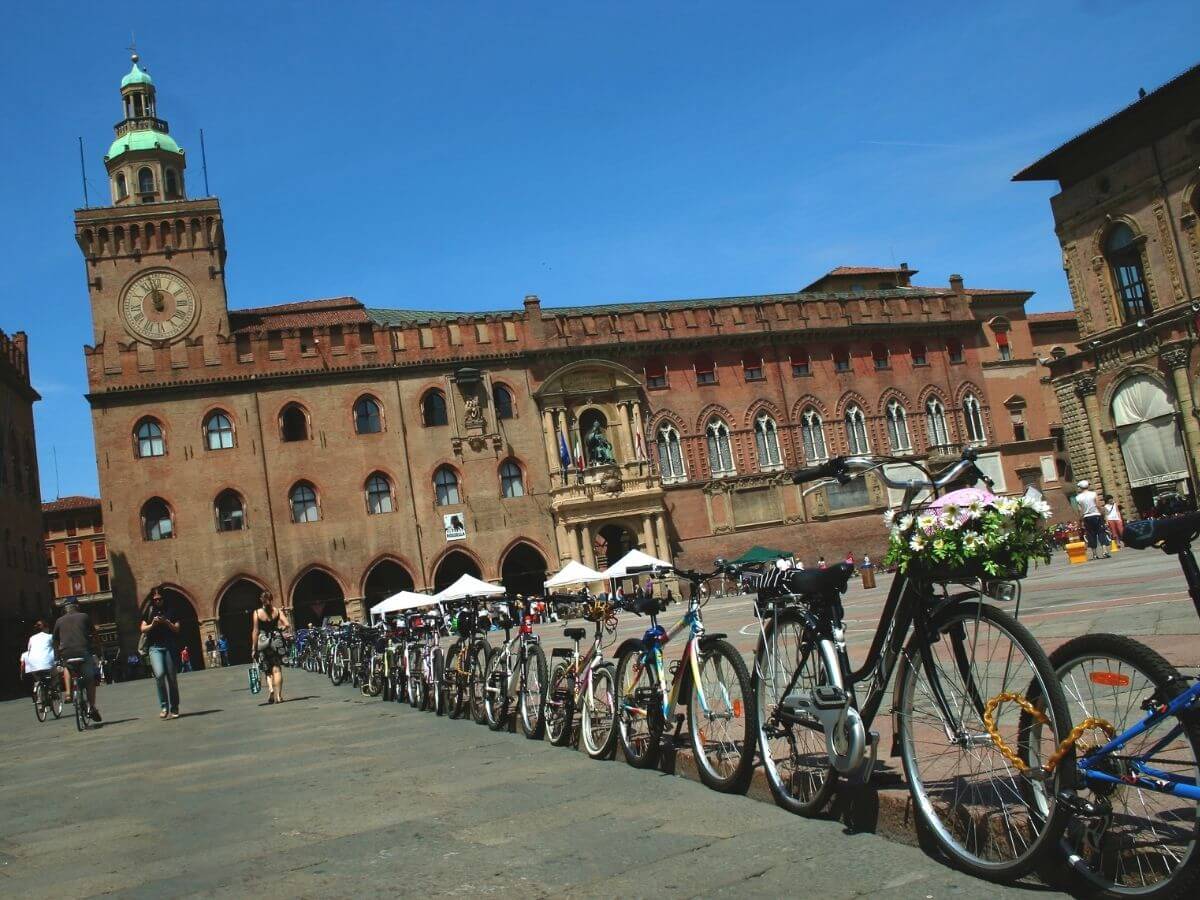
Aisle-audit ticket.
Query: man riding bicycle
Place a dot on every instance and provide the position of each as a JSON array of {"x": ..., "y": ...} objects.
[{"x": 74, "y": 637}]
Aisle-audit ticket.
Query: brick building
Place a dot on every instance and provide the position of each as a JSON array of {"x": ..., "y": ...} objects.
[
  {"x": 77, "y": 561},
  {"x": 334, "y": 452},
  {"x": 1128, "y": 219},
  {"x": 22, "y": 583}
]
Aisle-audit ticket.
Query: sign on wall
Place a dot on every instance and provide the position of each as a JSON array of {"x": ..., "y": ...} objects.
[{"x": 456, "y": 527}]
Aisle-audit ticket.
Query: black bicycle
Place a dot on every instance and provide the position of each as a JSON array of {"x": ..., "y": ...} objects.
[
  {"x": 84, "y": 712},
  {"x": 47, "y": 694},
  {"x": 954, "y": 652}
]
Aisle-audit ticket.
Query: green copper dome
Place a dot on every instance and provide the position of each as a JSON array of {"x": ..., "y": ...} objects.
[
  {"x": 136, "y": 76},
  {"x": 145, "y": 139}
]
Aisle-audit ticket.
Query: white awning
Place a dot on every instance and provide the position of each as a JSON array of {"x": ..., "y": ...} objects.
[
  {"x": 1148, "y": 433},
  {"x": 468, "y": 586},
  {"x": 573, "y": 573},
  {"x": 401, "y": 601},
  {"x": 634, "y": 559}
]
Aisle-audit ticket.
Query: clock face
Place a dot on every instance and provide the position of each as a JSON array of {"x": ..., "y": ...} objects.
[{"x": 158, "y": 306}]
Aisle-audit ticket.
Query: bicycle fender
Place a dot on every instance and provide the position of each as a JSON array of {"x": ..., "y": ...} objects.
[
  {"x": 709, "y": 639},
  {"x": 629, "y": 645}
]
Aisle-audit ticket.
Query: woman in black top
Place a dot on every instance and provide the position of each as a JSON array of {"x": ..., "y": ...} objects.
[
  {"x": 267, "y": 624},
  {"x": 160, "y": 628}
]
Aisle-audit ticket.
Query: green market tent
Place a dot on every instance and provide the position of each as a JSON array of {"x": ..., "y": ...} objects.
[{"x": 759, "y": 554}]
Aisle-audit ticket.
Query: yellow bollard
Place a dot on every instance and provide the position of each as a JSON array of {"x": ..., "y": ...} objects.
[
  {"x": 1115, "y": 547},
  {"x": 1076, "y": 552}
]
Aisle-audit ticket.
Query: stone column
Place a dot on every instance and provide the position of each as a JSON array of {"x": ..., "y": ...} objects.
[
  {"x": 636, "y": 411},
  {"x": 1176, "y": 357},
  {"x": 589, "y": 545},
  {"x": 627, "y": 431},
  {"x": 566, "y": 540},
  {"x": 548, "y": 418},
  {"x": 648, "y": 535},
  {"x": 664, "y": 544},
  {"x": 1086, "y": 388},
  {"x": 356, "y": 610}
]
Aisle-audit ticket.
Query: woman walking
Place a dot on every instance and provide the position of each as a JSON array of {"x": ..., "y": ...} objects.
[
  {"x": 1114, "y": 520},
  {"x": 266, "y": 643},
  {"x": 160, "y": 628}
]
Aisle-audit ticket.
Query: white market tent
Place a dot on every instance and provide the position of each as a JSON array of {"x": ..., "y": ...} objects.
[
  {"x": 467, "y": 586},
  {"x": 634, "y": 559},
  {"x": 573, "y": 573},
  {"x": 401, "y": 601}
]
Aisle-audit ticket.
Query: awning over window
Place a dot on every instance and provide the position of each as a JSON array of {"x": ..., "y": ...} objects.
[
  {"x": 656, "y": 368},
  {"x": 1149, "y": 436},
  {"x": 752, "y": 361},
  {"x": 1001, "y": 338},
  {"x": 704, "y": 364}
]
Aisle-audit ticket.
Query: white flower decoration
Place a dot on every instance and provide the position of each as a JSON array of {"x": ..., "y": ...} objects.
[
  {"x": 917, "y": 543},
  {"x": 926, "y": 521},
  {"x": 906, "y": 523},
  {"x": 889, "y": 517}
]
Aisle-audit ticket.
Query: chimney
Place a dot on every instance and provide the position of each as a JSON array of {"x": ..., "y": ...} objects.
[
  {"x": 956, "y": 284},
  {"x": 533, "y": 317},
  {"x": 904, "y": 267}
]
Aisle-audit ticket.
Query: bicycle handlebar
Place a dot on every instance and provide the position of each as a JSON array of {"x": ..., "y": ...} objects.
[{"x": 843, "y": 468}]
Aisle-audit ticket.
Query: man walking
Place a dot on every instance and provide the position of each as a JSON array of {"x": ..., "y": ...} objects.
[
  {"x": 223, "y": 650},
  {"x": 1088, "y": 504},
  {"x": 210, "y": 651}
]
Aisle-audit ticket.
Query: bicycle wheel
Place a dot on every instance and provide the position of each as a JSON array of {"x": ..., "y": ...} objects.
[
  {"x": 438, "y": 699},
  {"x": 721, "y": 719},
  {"x": 56, "y": 701},
  {"x": 80, "y": 698},
  {"x": 495, "y": 683},
  {"x": 39, "y": 701},
  {"x": 480, "y": 651},
  {"x": 988, "y": 817},
  {"x": 339, "y": 668},
  {"x": 415, "y": 687},
  {"x": 532, "y": 701},
  {"x": 559, "y": 710},
  {"x": 1139, "y": 842},
  {"x": 795, "y": 759},
  {"x": 639, "y": 717},
  {"x": 373, "y": 683},
  {"x": 598, "y": 725}
]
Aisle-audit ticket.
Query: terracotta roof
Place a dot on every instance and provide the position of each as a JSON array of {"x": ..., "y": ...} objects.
[
  {"x": 867, "y": 270},
  {"x": 304, "y": 314},
  {"x": 996, "y": 291},
  {"x": 1064, "y": 315},
  {"x": 74, "y": 502}
]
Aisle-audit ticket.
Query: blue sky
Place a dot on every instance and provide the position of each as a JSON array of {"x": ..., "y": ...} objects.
[{"x": 464, "y": 154}]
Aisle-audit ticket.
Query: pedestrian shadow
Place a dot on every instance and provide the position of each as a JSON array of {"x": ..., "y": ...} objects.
[
  {"x": 108, "y": 722},
  {"x": 200, "y": 712},
  {"x": 298, "y": 699}
]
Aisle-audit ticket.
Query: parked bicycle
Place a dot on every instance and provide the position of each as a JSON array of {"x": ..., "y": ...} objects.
[
  {"x": 584, "y": 683},
  {"x": 466, "y": 660},
  {"x": 515, "y": 670}
]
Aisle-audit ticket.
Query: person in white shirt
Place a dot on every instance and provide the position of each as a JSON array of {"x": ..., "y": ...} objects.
[
  {"x": 1114, "y": 520},
  {"x": 38, "y": 658},
  {"x": 1087, "y": 502}
]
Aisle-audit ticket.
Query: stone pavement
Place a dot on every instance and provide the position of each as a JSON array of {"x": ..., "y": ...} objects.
[{"x": 334, "y": 795}]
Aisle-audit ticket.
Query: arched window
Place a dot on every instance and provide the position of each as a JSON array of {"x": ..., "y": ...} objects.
[
  {"x": 880, "y": 356},
  {"x": 445, "y": 487},
  {"x": 145, "y": 180},
  {"x": 1058, "y": 352},
  {"x": 670, "y": 454},
  {"x": 1016, "y": 414},
  {"x": 856, "y": 431},
  {"x": 148, "y": 439},
  {"x": 973, "y": 417},
  {"x": 720, "y": 449},
  {"x": 897, "y": 423},
  {"x": 1000, "y": 330},
  {"x": 766, "y": 437},
  {"x": 512, "y": 483},
  {"x": 218, "y": 431},
  {"x": 172, "y": 183},
  {"x": 379, "y": 495},
  {"x": 1125, "y": 261},
  {"x": 935, "y": 423},
  {"x": 157, "y": 523},
  {"x": 433, "y": 409},
  {"x": 502, "y": 400},
  {"x": 293, "y": 423},
  {"x": 122, "y": 186},
  {"x": 812, "y": 431},
  {"x": 303, "y": 500},
  {"x": 230, "y": 512},
  {"x": 368, "y": 418}
]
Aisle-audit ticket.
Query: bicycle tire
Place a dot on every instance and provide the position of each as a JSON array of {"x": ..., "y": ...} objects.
[
  {"x": 339, "y": 668},
  {"x": 1169, "y": 849},
  {"x": 80, "y": 699},
  {"x": 533, "y": 692},
  {"x": 56, "y": 702},
  {"x": 39, "y": 701},
  {"x": 480, "y": 651},
  {"x": 954, "y": 822},
  {"x": 639, "y": 734},
  {"x": 440, "y": 699},
  {"x": 495, "y": 681},
  {"x": 795, "y": 758},
  {"x": 454, "y": 682},
  {"x": 559, "y": 711},
  {"x": 598, "y": 722},
  {"x": 414, "y": 687},
  {"x": 713, "y": 750}
]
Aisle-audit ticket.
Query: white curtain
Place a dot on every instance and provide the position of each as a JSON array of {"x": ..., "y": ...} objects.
[{"x": 1150, "y": 440}]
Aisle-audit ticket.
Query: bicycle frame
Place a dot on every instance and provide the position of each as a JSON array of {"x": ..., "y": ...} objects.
[
  {"x": 651, "y": 657},
  {"x": 581, "y": 667}
]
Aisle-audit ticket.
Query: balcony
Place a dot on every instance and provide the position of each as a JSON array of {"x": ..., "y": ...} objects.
[{"x": 140, "y": 123}]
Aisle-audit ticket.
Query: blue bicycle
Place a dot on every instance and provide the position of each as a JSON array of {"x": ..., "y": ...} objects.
[{"x": 1134, "y": 827}]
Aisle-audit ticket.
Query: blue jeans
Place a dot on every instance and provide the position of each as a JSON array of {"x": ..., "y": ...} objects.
[{"x": 163, "y": 665}]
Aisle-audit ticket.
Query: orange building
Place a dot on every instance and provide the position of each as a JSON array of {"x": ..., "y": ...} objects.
[{"x": 77, "y": 560}]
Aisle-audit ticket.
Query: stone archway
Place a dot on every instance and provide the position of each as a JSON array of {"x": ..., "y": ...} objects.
[
  {"x": 180, "y": 608},
  {"x": 316, "y": 597},
  {"x": 234, "y": 609},
  {"x": 453, "y": 566},
  {"x": 386, "y": 577},
  {"x": 613, "y": 541},
  {"x": 523, "y": 571}
]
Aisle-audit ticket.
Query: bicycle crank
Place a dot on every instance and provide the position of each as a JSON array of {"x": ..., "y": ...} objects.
[{"x": 829, "y": 707}]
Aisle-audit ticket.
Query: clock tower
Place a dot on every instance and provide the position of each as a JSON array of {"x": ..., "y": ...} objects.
[{"x": 155, "y": 259}]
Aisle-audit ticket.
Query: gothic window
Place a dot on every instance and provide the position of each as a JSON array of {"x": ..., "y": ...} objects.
[
  {"x": 433, "y": 409},
  {"x": 303, "y": 500},
  {"x": 157, "y": 522},
  {"x": 445, "y": 487},
  {"x": 230, "y": 511},
  {"x": 368, "y": 418},
  {"x": 720, "y": 448},
  {"x": 973, "y": 416},
  {"x": 172, "y": 183},
  {"x": 502, "y": 400},
  {"x": 766, "y": 437},
  {"x": 148, "y": 439},
  {"x": 1125, "y": 261},
  {"x": 670, "y": 455},
  {"x": 856, "y": 431},
  {"x": 918, "y": 354},
  {"x": 512, "y": 483},
  {"x": 897, "y": 423},
  {"x": 379, "y": 495},
  {"x": 145, "y": 180},
  {"x": 122, "y": 186},
  {"x": 293, "y": 423},
  {"x": 812, "y": 431},
  {"x": 218, "y": 431},
  {"x": 935, "y": 423}
]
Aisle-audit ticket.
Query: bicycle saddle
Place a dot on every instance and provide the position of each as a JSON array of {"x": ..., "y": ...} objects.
[
  {"x": 821, "y": 582},
  {"x": 575, "y": 634},
  {"x": 1177, "y": 530}
]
